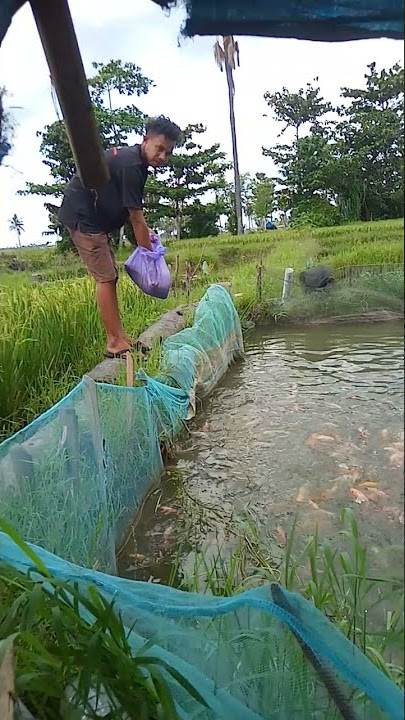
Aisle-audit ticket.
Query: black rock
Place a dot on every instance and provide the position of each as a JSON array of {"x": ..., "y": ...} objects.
[{"x": 317, "y": 278}]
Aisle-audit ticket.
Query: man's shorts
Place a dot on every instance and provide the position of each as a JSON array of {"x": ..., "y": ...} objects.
[{"x": 96, "y": 252}]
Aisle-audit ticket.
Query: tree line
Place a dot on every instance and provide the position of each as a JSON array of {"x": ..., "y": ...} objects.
[{"x": 334, "y": 164}]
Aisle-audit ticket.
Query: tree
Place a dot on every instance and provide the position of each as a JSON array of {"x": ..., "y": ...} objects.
[
  {"x": 116, "y": 122},
  {"x": 350, "y": 167},
  {"x": 112, "y": 81},
  {"x": 201, "y": 220},
  {"x": 247, "y": 197},
  {"x": 225, "y": 199},
  {"x": 298, "y": 109},
  {"x": 7, "y": 126},
  {"x": 227, "y": 205},
  {"x": 5, "y": 139},
  {"x": 191, "y": 173},
  {"x": 17, "y": 226},
  {"x": 370, "y": 145},
  {"x": 263, "y": 198},
  {"x": 228, "y": 56}
]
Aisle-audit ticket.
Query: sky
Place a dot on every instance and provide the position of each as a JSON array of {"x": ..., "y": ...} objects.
[{"x": 189, "y": 88}]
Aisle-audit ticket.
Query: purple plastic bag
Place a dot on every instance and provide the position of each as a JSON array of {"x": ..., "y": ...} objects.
[{"x": 148, "y": 269}]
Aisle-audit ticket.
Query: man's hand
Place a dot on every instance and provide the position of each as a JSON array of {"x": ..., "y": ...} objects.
[{"x": 140, "y": 228}]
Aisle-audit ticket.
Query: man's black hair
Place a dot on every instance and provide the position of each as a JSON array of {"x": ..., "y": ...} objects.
[{"x": 163, "y": 126}]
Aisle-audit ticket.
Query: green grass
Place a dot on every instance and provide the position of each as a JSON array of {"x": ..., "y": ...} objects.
[
  {"x": 51, "y": 333},
  {"x": 72, "y": 644},
  {"x": 66, "y": 637},
  {"x": 366, "y": 292},
  {"x": 335, "y": 576}
]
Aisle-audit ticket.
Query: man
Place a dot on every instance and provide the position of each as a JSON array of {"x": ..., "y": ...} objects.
[{"x": 90, "y": 218}]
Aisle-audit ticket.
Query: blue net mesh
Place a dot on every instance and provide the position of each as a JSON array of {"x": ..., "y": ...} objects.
[
  {"x": 265, "y": 654},
  {"x": 90, "y": 461},
  {"x": 71, "y": 481}
]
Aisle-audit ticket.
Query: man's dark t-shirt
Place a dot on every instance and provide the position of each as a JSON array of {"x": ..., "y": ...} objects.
[{"x": 108, "y": 210}]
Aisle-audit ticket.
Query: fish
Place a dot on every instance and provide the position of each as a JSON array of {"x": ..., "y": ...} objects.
[
  {"x": 354, "y": 472},
  {"x": 319, "y": 439},
  {"x": 303, "y": 494},
  {"x": 396, "y": 460},
  {"x": 343, "y": 480},
  {"x": 376, "y": 496},
  {"x": 281, "y": 537},
  {"x": 306, "y": 494},
  {"x": 166, "y": 510},
  {"x": 327, "y": 493},
  {"x": 395, "y": 447},
  {"x": 137, "y": 557},
  {"x": 358, "y": 496},
  {"x": 368, "y": 484},
  {"x": 313, "y": 505},
  {"x": 397, "y": 513},
  {"x": 279, "y": 508}
]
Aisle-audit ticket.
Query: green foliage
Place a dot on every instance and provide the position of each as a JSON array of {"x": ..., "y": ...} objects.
[
  {"x": 355, "y": 160},
  {"x": 6, "y": 127},
  {"x": 336, "y": 578},
  {"x": 315, "y": 212},
  {"x": 361, "y": 290},
  {"x": 201, "y": 220},
  {"x": 191, "y": 173},
  {"x": 17, "y": 226},
  {"x": 73, "y": 652},
  {"x": 225, "y": 197},
  {"x": 262, "y": 197},
  {"x": 122, "y": 79},
  {"x": 298, "y": 109},
  {"x": 372, "y": 136},
  {"x": 70, "y": 644},
  {"x": 258, "y": 201}
]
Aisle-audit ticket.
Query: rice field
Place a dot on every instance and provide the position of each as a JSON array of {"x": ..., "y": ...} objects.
[{"x": 51, "y": 333}]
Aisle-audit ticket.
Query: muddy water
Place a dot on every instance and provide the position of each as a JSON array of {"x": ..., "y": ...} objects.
[{"x": 312, "y": 421}]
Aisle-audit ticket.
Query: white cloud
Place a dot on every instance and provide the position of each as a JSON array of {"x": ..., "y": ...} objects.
[{"x": 189, "y": 86}]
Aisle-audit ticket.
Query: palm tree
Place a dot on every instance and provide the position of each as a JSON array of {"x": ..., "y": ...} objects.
[
  {"x": 228, "y": 56},
  {"x": 17, "y": 225}
]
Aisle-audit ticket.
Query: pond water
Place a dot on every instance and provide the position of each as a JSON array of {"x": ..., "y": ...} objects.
[{"x": 310, "y": 421}]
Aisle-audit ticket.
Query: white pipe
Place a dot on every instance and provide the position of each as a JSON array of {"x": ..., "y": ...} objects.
[{"x": 288, "y": 274}]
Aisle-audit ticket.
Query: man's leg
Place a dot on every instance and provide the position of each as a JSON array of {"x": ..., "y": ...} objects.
[
  {"x": 95, "y": 251},
  {"x": 108, "y": 305}
]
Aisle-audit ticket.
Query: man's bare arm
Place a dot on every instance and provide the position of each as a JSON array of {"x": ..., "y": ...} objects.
[{"x": 140, "y": 228}]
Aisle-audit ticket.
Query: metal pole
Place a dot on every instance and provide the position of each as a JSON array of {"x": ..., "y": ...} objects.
[
  {"x": 288, "y": 274},
  {"x": 238, "y": 199},
  {"x": 58, "y": 37}
]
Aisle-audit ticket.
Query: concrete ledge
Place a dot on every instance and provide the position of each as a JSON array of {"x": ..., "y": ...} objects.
[{"x": 168, "y": 324}]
